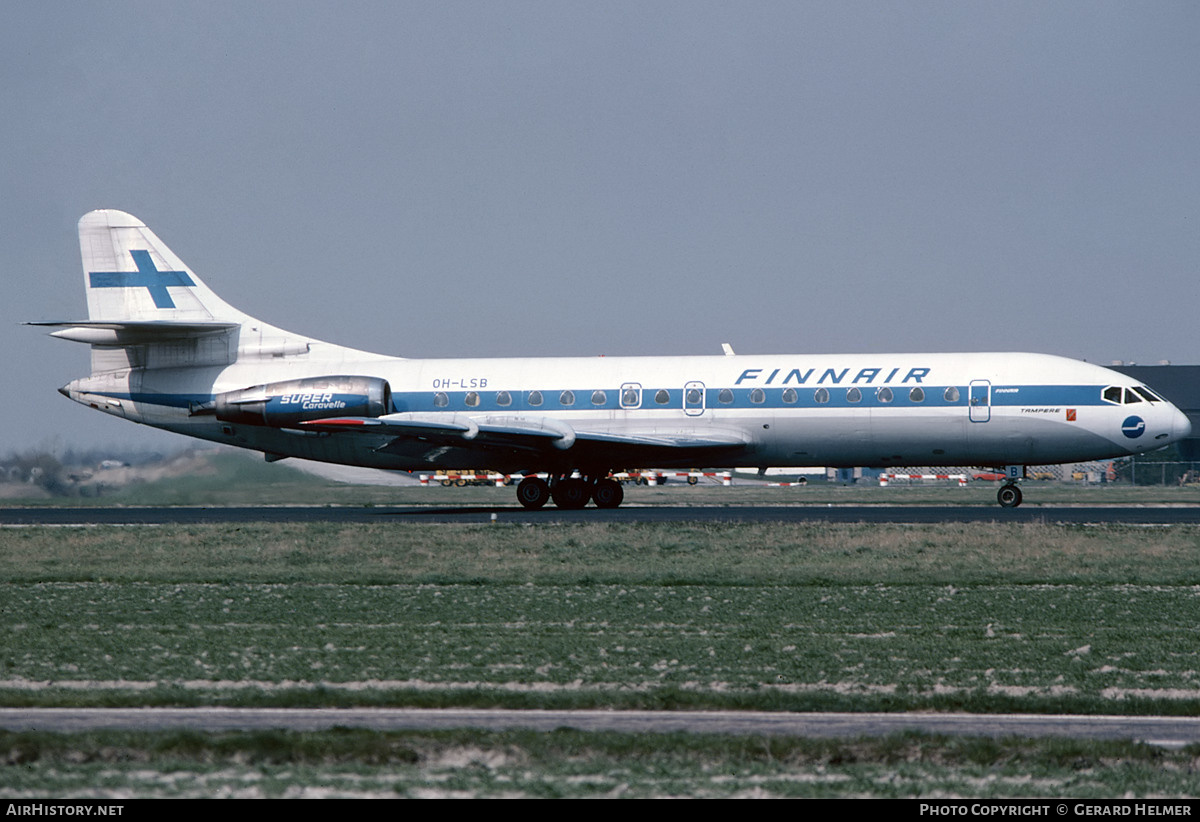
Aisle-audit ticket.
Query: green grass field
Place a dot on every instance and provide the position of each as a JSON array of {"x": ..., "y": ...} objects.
[
  {"x": 994, "y": 617},
  {"x": 797, "y": 617}
]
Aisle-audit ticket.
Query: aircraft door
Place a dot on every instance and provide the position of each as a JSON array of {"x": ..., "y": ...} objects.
[
  {"x": 693, "y": 399},
  {"x": 631, "y": 395},
  {"x": 979, "y": 400}
]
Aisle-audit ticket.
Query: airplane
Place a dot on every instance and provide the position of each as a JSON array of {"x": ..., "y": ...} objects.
[{"x": 166, "y": 351}]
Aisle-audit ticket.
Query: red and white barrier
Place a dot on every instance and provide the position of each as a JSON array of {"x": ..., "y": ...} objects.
[
  {"x": 651, "y": 477},
  {"x": 884, "y": 479}
]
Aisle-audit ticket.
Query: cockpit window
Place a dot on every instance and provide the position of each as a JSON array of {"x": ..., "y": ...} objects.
[
  {"x": 1131, "y": 397},
  {"x": 1112, "y": 394},
  {"x": 1146, "y": 393}
]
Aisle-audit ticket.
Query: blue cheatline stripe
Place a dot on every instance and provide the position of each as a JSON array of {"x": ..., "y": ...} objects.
[
  {"x": 146, "y": 276},
  {"x": 773, "y": 398}
]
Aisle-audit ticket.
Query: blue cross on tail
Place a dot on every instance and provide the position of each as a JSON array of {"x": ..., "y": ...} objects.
[{"x": 146, "y": 276}]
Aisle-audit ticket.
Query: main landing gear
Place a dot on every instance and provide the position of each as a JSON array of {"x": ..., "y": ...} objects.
[{"x": 570, "y": 493}]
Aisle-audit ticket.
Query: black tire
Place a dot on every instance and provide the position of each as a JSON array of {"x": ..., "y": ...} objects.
[
  {"x": 1009, "y": 496},
  {"x": 533, "y": 493},
  {"x": 571, "y": 494},
  {"x": 608, "y": 493}
]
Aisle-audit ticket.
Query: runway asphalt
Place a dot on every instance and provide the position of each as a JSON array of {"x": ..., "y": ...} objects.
[
  {"x": 907, "y": 514},
  {"x": 1156, "y": 730}
]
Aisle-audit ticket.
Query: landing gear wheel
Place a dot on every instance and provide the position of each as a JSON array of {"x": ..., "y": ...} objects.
[
  {"x": 1009, "y": 496},
  {"x": 533, "y": 493},
  {"x": 571, "y": 494},
  {"x": 608, "y": 493}
]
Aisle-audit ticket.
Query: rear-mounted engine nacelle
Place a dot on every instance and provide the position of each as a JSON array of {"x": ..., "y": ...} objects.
[{"x": 284, "y": 404}]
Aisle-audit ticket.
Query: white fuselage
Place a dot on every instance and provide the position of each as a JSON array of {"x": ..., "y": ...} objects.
[{"x": 794, "y": 410}]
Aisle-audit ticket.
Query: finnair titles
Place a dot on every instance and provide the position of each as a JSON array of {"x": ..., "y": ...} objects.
[{"x": 166, "y": 351}]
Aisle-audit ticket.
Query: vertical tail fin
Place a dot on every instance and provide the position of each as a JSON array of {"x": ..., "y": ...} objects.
[
  {"x": 131, "y": 276},
  {"x": 148, "y": 310}
]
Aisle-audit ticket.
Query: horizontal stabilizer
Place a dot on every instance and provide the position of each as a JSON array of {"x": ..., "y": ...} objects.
[{"x": 133, "y": 333}]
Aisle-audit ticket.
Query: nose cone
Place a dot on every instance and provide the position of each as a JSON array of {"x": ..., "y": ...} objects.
[{"x": 1181, "y": 426}]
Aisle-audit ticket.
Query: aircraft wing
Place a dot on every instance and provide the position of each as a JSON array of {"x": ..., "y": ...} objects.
[
  {"x": 703, "y": 439},
  {"x": 536, "y": 433},
  {"x": 457, "y": 428}
]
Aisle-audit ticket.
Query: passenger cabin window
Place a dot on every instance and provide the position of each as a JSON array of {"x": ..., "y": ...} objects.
[
  {"x": 758, "y": 396},
  {"x": 853, "y": 395},
  {"x": 662, "y": 396},
  {"x": 440, "y": 400},
  {"x": 566, "y": 398},
  {"x": 725, "y": 397},
  {"x": 599, "y": 397},
  {"x": 916, "y": 395},
  {"x": 630, "y": 398},
  {"x": 693, "y": 396},
  {"x": 503, "y": 398},
  {"x": 821, "y": 395},
  {"x": 472, "y": 399},
  {"x": 951, "y": 394},
  {"x": 884, "y": 394},
  {"x": 790, "y": 396},
  {"x": 535, "y": 398}
]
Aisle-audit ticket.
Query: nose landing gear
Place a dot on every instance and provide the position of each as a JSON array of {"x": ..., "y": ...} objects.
[{"x": 1009, "y": 495}]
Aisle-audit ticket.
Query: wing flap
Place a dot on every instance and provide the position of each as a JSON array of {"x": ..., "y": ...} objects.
[
  {"x": 425, "y": 426},
  {"x": 526, "y": 432},
  {"x": 683, "y": 440}
]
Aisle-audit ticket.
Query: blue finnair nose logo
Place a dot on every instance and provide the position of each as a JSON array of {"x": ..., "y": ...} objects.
[{"x": 1133, "y": 427}]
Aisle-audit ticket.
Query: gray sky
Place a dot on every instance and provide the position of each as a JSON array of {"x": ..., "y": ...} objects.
[{"x": 521, "y": 178}]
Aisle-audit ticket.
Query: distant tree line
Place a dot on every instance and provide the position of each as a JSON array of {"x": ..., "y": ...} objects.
[{"x": 63, "y": 475}]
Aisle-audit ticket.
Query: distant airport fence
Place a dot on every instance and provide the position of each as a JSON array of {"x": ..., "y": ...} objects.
[{"x": 1141, "y": 470}]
